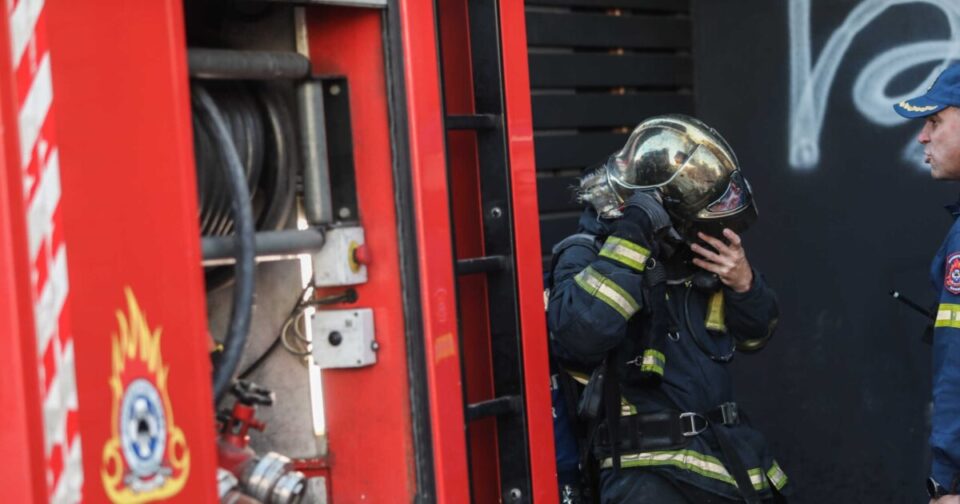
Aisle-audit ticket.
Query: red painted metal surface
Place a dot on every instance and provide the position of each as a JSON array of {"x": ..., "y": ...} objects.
[
  {"x": 21, "y": 439},
  {"x": 129, "y": 197},
  {"x": 130, "y": 212},
  {"x": 34, "y": 170},
  {"x": 369, "y": 426},
  {"x": 468, "y": 222},
  {"x": 519, "y": 120},
  {"x": 432, "y": 210}
]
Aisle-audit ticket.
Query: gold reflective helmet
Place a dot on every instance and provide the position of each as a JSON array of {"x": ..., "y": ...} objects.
[{"x": 688, "y": 163}]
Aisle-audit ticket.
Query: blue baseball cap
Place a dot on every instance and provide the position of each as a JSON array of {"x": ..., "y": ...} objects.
[{"x": 945, "y": 92}]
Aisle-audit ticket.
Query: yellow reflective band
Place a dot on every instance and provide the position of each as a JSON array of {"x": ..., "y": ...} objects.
[
  {"x": 715, "y": 319},
  {"x": 777, "y": 476},
  {"x": 607, "y": 291},
  {"x": 653, "y": 361},
  {"x": 948, "y": 315},
  {"x": 693, "y": 461},
  {"x": 625, "y": 252},
  {"x": 913, "y": 108}
]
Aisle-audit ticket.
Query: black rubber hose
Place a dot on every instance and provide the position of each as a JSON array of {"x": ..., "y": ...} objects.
[
  {"x": 278, "y": 188},
  {"x": 214, "y": 179},
  {"x": 242, "y": 309},
  {"x": 240, "y": 113},
  {"x": 201, "y": 150},
  {"x": 271, "y": 176}
]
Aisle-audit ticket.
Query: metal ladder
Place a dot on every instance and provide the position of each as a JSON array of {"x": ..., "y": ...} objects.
[{"x": 498, "y": 262}]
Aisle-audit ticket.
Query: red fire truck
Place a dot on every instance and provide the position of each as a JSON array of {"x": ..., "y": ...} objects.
[{"x": 271, "y": 251}]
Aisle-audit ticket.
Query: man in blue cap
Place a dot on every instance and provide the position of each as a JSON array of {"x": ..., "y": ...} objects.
[{"x": 940, "y": 137}]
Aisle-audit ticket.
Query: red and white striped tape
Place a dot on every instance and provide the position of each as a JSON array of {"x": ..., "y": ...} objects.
[{"x": 40, "y": 168}]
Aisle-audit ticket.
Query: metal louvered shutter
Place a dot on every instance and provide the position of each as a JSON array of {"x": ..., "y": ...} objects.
[{"x": 597, "y": 68}]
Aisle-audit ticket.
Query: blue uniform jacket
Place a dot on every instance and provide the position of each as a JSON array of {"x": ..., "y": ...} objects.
[
  {"x": 588, "y": 319},
  {"x": 945, "y": 435}
]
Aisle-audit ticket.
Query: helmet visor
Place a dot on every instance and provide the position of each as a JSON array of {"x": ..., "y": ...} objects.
[{"x": 737, "y": 197}]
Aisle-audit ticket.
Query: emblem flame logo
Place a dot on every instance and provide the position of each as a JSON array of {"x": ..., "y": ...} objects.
[{"x": 146, "y": 457}]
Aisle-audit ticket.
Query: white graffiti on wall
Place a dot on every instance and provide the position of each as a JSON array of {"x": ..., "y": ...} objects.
[{"x": 810, "y": 84}]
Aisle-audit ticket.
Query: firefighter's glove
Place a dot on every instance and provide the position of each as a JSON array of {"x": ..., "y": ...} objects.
[{"x": 644, "y": 220}]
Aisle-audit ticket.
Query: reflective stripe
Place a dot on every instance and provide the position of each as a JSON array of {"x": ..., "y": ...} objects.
[
  {"x": 696, "y": 462},
  {"x": 607, "y": 291},
  {"x": 653, "y": 361},
  {"x": 948, "y": 315},
  {"x": 625, "y": 252},
  {"x": 777, "y": 476},
  {"x": 715, "y": 320}
]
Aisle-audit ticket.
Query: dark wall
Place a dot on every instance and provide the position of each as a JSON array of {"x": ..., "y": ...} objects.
[
  {"x": 597, "y": 67},
  {"x": 842, "y": 392}
]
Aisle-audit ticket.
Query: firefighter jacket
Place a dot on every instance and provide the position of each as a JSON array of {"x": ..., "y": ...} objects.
[
  {"x": 596, "y": 304},
  {"x": 945, "y": 433}
]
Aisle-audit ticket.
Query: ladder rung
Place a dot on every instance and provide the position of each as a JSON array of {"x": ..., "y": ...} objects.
[
  {"x": 472, "y": 122},
  {"x": 494, "y": 407},
  {"x": 485, "y": 264}
]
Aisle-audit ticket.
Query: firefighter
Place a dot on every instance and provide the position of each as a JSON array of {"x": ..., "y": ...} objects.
[
  {"x": 647, "y": 306},
  {"x": 941, "y": 145}
]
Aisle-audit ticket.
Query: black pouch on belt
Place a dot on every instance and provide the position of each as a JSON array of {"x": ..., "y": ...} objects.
[
  {"x": 592, "y": 397},
  {"x": 642, "y": 432}
]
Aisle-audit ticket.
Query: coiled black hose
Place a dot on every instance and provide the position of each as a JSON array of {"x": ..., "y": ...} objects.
[
  {"x": 279, "y": 190},
  {"x": 242, "y": 309},
  {"x": 261, "y": 123}
]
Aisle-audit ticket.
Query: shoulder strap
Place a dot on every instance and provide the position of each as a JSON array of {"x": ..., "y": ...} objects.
[{"x": 583, "y": 239}]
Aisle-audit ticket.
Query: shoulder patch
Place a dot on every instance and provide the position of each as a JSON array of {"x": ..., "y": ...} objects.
[{"x": 951, "y": 280}]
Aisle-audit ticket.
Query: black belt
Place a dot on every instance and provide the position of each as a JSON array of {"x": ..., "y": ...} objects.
[
  {"x": 642, "y": 432},
  {"x": 671, "y": 429},
  {"x": 664, "y": 430},
  {"x": 694, "y": 423}
]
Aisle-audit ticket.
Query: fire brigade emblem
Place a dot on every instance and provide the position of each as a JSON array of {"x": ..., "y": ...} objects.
[
  {"x": 146, "y": 457},
  {"x": 951, "y": 281}
]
